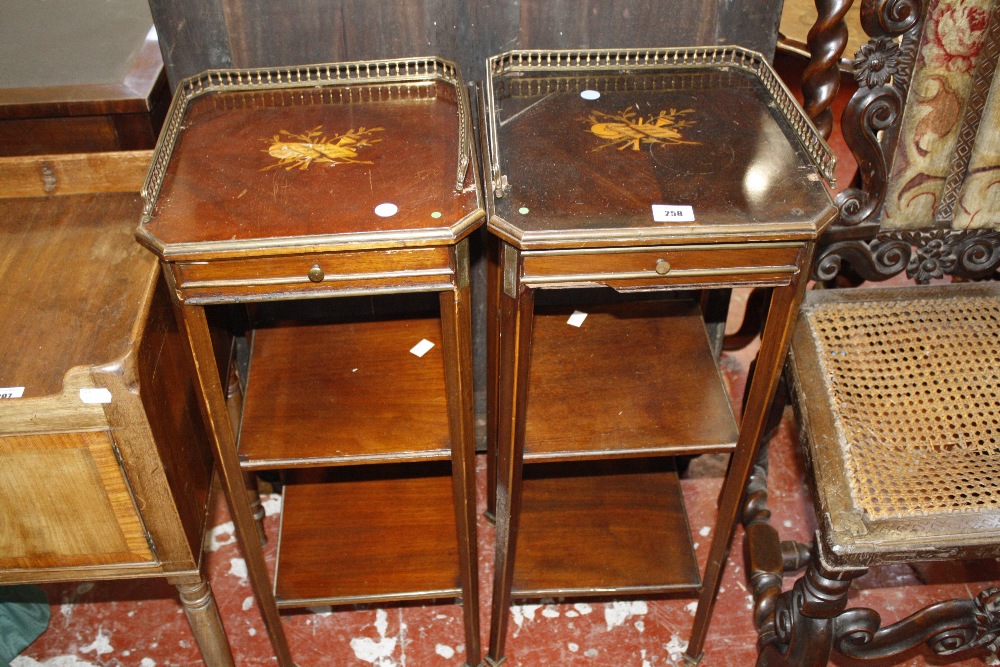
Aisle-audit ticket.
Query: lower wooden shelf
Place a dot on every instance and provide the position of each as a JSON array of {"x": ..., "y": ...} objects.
[
  {"x": 367, "y": 534},
  {"x": 602, "y": 527}
]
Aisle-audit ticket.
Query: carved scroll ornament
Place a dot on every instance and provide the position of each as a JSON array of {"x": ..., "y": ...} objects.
[
  {"x": 924, "y": 255},
  {"x": 883, "y": 68}
]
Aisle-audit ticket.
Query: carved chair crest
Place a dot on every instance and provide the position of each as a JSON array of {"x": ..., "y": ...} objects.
[{"x": 924, "y": 126}]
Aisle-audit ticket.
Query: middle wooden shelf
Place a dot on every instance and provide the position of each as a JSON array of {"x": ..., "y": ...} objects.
[
  {"x": 633, "y": 379},
  {"x": 343, "y": 387}
]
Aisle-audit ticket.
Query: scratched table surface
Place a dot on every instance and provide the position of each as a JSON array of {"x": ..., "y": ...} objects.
[
  {"x": 592, "y": 152},
  {"x": 314, "y": 161}
]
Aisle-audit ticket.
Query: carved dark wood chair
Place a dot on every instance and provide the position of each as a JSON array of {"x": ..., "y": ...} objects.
[{"x": 896, "y": 390}]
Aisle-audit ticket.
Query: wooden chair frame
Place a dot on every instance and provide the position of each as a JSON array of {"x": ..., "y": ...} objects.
[{"x": 803, "y": 625}]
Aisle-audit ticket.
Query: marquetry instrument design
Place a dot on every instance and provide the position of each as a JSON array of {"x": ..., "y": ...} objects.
[
  {"x": 627, "y": 129},
  {"x": 301, "y": 150}
]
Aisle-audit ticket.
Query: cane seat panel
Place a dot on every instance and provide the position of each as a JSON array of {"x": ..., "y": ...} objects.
[{"x": 898, "y": 389}]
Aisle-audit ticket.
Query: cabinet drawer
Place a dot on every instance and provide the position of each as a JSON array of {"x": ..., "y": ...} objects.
[
  {"x": 64, "y": 502},
  {"x": 772, "y": 264},
  {"x": 290, "y": 275}
]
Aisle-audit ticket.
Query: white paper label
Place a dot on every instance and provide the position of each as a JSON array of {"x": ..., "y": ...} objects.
[
  {"x": 577, "y": 318},
  {"x": 11, "y": 392},
  {"x": 386, "y": 210},
  {"x": 95, "y": 395},
  {"x": 671, "y": 213},
  {"x": 422, "y": 348}
]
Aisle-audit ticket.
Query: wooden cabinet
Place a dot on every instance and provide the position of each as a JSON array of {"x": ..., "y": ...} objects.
[
  {"x": 79, "y": 77},
  {"x": 272, "y": 192},
  {"x": 105, "y": 466},
  {"x": 630, "y": 191}
]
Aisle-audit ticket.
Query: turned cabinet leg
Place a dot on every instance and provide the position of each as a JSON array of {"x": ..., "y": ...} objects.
[
  {"x": 206, "y": 623},
  {"x": 517, "y": 310}
]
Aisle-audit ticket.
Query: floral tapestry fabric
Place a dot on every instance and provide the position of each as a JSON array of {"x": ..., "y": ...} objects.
[
  {"x": 942, "y": 78},
  {"x": 979, "y": 202}
]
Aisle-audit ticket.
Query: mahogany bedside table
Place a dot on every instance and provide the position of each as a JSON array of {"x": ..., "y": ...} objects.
[
  {"x": 640, "y": 171},
  {"x": 284, "y": 187}
]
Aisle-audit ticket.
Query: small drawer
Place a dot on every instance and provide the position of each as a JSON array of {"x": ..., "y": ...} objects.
[
  {"x": 733, "y": 264},
  {"x": 286, "y": 276}
]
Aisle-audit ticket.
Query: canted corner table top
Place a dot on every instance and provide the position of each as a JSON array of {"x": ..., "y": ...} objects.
[
  {"x": 586, "y": 156},
  {"x": 315, "y": 167}
]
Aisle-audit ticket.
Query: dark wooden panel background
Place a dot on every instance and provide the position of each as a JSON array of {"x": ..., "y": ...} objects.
[{"x": 200, "y": 34}]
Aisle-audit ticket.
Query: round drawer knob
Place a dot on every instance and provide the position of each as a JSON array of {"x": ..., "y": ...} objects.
[
  {"x": 316, "y": 274},
  {"x": 662, "y": 267}
]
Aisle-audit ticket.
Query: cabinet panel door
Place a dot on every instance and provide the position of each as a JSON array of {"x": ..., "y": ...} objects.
[{"x": 64, "y": 501}]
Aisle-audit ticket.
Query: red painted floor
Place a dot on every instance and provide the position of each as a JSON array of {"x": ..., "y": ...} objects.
[{"x": 111, "y": 624}]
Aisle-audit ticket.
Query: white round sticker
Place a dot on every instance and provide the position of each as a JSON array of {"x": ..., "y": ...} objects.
[
  {"x": 386, "y": 210},
  {"x": 590, "y": 95}
]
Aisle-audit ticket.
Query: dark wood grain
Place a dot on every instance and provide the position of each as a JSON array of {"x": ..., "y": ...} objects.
[
  {"x": 223, "y": 185},
  {"x": 254, "y": 33},
  {"x": 193, "y": 36},
  {"x": 602, "y": 527},
  {"x": 346, "y": 391},
  {"x": 37, "y": 136},
  {"x": 385, "y": 535},
  {"x": 567, "y": 24},
  {"x": 168, "y": 395},
  {"x": 632, "y": 380},
  {"x": 545, "y": 139},
  {"x": 295, "y": 32},
  {"x": 403, "y": 28}
]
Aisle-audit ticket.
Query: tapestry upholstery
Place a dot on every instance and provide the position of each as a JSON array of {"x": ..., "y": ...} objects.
[
  {"x": 946, "y": 168},
  {"x": 978, "y": 204}
]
